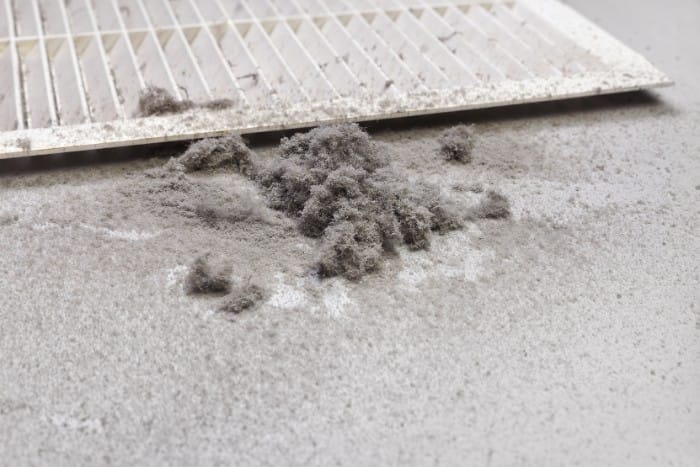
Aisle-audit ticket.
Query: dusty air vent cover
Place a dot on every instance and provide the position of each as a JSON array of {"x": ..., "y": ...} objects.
[{"x": 71, "y": 70}]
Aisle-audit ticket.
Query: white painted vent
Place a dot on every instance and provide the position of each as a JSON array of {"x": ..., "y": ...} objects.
[{"x": 71, "y": 70}]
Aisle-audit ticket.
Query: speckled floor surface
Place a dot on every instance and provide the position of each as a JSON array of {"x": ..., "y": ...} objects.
[{"x": 568, "y": 335}]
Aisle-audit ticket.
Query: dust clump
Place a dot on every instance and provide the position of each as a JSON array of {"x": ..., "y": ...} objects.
[
  {"x": 493, "y": 206},
  {"x": 443, "y": 215},
  {"x": 25, "y": 144},
  {"x": 340, "y": 188},
  {"x": 218, "y": 104},
  {"x": 473, "y": 188},
  {"x": 477, "y": 188},
  {"x": 351, "y": 249},
  {"x": 242, "y": 298},
  {"x": 243, "y": 209},
  {"x": 307, "y": 159},
  {"x": 6, "y": 218},
  {"x": 456, "y": 144},
  {"x": 215, "y": 153},
  {"x": 158, "y": 101},
  {"x": 169, "y": 191},
  {"x": 208, "y": 277}
]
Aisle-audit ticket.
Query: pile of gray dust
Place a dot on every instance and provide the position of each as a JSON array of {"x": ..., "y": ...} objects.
[{"x": 334, "y": 183}]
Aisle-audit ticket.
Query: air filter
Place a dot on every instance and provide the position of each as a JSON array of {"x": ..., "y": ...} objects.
[{"x": 71, "y": 71}]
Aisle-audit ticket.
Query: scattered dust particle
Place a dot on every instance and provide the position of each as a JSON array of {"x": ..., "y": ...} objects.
[
  {"x": 456, "y": 144},
  {"x": 205, "y": 277},
  {"x": 242, "y": 298}
]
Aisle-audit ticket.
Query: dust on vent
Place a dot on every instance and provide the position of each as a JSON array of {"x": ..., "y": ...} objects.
[{"x": 71, "y": 70}]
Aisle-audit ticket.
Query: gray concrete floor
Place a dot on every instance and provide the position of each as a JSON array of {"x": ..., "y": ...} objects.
[{"x": 569, "y": 335}]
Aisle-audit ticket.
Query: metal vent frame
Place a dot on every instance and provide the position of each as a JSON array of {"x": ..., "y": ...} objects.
[{"x": 63, "y": 88}]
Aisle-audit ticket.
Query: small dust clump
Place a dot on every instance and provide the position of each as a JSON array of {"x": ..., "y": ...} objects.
[
  {"x": 242, "y": 298},
  {"x": 243, "y": 209},
  {"x": 25, "y": 144},
  {"x": 307, "y": 159},
  {"x": 218, "y": 104},
  {"x": 207, "y": 277},
  {"x": 473, "y": 188},
  {"x": 476, "y": 188},
  {"x": 456, "y": 144},
  {"x": 158, "y": 101},
  {"x": 219, "y": 202},
  {"x": 216, "y": 153},
  {"x": 493, "y": 206},
  {"x": 339, "y": 186},
  {"x": 351, "y": 249},
  {"x": 8, "y": 218}
]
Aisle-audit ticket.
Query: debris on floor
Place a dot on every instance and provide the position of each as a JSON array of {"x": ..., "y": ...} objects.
[
  {"x": 218, "y": 153},
  {"x": 242, "y": 298},
  {"x": 332, "y": 185},
  {"x": 456, "y": 144},
  {"x": 169, "y": 191},
  {"x": 340, "y": 188},
  {"x": 493, "y": 206},
  {"x": 207, "y": 276}
]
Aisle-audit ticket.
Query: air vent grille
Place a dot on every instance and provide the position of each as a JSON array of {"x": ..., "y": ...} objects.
[{"x": 71, "y": 70}]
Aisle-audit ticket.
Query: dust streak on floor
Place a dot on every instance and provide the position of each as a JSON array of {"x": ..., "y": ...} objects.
[{"x": 568, "y": 334}]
